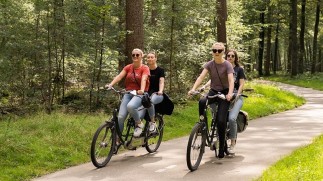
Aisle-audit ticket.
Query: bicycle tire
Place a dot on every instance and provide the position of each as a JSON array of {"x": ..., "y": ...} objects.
[
  {"x": 197, "y": 133},
  {"x": 103, "y": 145},
  {"x": 154, "y": 139}
]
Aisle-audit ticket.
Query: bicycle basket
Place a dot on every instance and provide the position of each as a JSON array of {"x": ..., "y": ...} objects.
[{"x": 242, "y": 121}]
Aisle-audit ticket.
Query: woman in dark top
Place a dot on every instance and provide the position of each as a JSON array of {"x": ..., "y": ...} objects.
[
  {"x": 239, "y": 80},
  {"x": 156, "y": 88},
  {"x": 221, "y": 75}
]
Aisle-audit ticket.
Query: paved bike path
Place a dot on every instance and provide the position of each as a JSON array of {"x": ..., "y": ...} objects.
[{"x": 265, "y": 141}]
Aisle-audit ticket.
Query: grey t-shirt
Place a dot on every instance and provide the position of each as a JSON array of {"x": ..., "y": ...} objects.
[{"x": 225, "y": 68}]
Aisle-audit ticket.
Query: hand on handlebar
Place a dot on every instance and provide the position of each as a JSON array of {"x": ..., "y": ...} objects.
[
  {"x": 192, "y": 92},
  {"x": 228, "y": 97},
  {"x": 108, "y": 86}
]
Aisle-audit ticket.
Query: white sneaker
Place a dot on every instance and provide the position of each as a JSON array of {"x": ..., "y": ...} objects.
[
  {"x": 231, "y": 150},
  {"x": 152, "y": 126},
  {"x": 138, "y": 130}
]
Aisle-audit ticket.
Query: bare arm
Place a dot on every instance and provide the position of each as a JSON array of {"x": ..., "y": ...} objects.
[
  {"x": 143, "y": 84},
  {"x": 198, "y": 81},
  {"x": 161, "y": 85},
  {"x": 241, "y": 82},
  {"x": 207, "y": 84},
  {"x": 231, "y": 86}
]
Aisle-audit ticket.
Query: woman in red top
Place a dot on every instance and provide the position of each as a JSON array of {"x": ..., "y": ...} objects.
[{"x": 136, "y": 78}]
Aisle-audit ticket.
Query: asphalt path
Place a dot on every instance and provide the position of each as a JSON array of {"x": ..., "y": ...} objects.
[{"x": 265, "y": 141}]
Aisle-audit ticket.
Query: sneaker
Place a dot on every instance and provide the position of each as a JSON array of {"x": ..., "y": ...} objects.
[
  {"x": 152, "y": 127},
  {"x": 138, "y": 130},
  {"x": 231, "y": 150}
]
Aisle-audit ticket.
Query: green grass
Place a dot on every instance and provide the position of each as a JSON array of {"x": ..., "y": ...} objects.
[
  {"x": 41, "y": 144},
  {"x": 266, "y": 100},
  {"x": 314, "y": 81},
  {"x": 304, "y": 164}
]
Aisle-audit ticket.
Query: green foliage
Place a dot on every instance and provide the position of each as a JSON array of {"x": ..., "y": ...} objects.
[{"x": 48, "y": 48}]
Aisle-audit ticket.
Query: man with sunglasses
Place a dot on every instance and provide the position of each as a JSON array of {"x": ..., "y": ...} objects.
[
  {"x": 221, "y": 75},
  {"x": 136, "y": 78}
]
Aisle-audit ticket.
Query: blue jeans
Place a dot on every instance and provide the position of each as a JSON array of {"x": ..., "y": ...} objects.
[
  {"x": 130, "y": 103},
  {"x": 233, "y": 114},
  {"x": 155, "y": 99}
]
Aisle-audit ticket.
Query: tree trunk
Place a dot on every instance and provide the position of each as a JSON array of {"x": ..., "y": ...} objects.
[
  {"x": 275, "y": 61},
  {"x": 316, "y": 28},
  {"x": 301, "y": 40},
  {"x": 221, "y": 9},
  {"x": 134, "y": 26},
  {"x": 154, "y": 12},
  {"x": 98, "y": 77},
  {"x": 293, "y": 38},
  {"x": 261, "y": 43},
  {"x": 268, "y": 52},
  {"x": 49, "y": 88},
  {"x": 171, "y": 47},
  {"x": 121, "y": 40},
  {"x": 321, "y": 61}
]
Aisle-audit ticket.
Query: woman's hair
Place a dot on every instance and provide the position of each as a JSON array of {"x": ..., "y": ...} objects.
[
  {"x": 154, "y": 53},
  {"x": 219, "y": 43},
  {"x": 139, "y": 50},
  {"x": 236, "y": 58}
]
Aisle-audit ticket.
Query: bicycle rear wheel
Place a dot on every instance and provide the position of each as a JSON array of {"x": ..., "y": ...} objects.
[
  {"x": 103, "y": 144},
  {"x": 195, "y": 147},
  {"x": 154, "y": 139}
]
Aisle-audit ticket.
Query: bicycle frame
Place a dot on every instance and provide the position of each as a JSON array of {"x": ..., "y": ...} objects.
[
  {"x": 127, "y": 139},
  {"x": 104, "y": 142}
]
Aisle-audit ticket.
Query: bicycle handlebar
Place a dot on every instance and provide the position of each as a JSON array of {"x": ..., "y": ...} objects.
[{"x": 220, "y": 95}]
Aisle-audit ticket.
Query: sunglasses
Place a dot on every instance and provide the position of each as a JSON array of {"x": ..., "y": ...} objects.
[
  {"x": 232, "y": 56},
  {"x": 135, "y": 55},
  {"x": 217, "y": 50}
]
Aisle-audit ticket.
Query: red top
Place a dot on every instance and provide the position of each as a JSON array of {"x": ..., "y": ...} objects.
[{"x": 130, "y": 82}]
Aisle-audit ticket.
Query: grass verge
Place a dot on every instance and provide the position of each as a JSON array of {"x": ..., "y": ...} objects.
[
  {"x": 305, "y": 163},
  {"x": 41, "y": 144}
]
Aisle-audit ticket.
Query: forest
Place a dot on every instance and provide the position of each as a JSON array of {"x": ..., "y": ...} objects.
[{"x": 56, "y": 54}]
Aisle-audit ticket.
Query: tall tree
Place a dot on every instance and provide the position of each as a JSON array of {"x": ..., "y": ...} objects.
[
  {"x": 301, "y": 39},
  {"x": 261, "y": 42},
  {"x": 221, "y": 21},
  {"x": 316, "y": 27},
  {"x": 134, "y": 26},
  {"x": 171, "y": 53},
  {"x": 268, "y": 51},
  {"x": 293, "y": 38}
]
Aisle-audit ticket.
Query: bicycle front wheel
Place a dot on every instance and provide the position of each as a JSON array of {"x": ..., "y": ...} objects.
[
  {"x": 103, "y": 144},
  {"x": 154, "y": 139},
  {"x": 195, "y": 147}
]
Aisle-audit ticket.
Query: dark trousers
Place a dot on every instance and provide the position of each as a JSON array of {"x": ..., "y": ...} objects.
[{"x": 221, "y": 116}]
